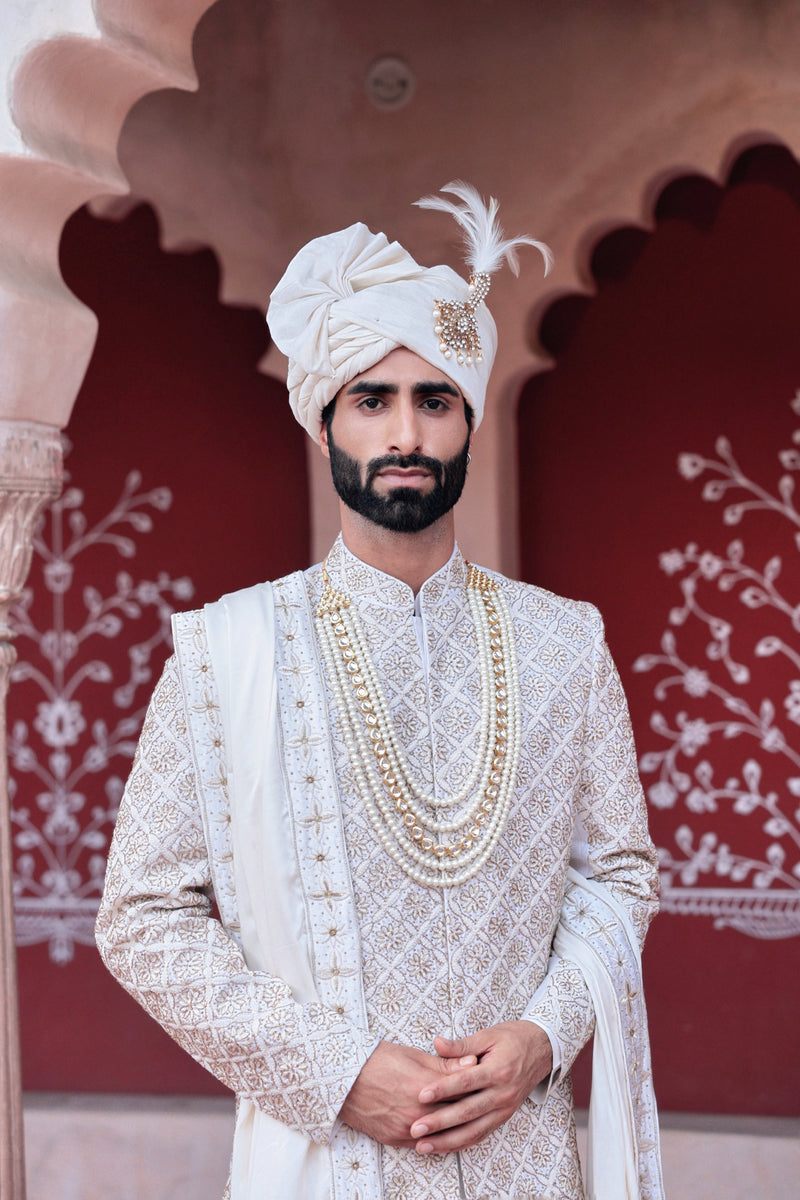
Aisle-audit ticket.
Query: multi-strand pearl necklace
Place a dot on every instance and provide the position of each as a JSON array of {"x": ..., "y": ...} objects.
[{"x": 438, "y": 842}]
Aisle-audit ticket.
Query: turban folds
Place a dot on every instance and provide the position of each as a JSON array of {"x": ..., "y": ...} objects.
[{"x": 347, "y": 300}]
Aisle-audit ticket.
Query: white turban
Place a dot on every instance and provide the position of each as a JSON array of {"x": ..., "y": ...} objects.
[{"x": 347, "y": 300}]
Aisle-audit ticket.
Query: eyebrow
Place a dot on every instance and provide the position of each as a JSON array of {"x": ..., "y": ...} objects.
[{"x": 423, "y": 388}]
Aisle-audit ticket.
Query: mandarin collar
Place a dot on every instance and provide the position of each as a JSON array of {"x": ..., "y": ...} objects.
[{"x": 366, "y": 584}]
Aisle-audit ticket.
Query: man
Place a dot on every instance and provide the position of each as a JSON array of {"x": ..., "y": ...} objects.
[{"x": 383, "y": 767}]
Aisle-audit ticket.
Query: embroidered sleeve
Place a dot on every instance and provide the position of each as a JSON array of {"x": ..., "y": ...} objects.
[
  {"x": 614, "y": 846},
  {"x": 156, "y": 934}
]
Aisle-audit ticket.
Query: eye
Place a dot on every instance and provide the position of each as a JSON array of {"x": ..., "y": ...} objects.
[
  {"x": 371, "y": 403},
  {"x": 435, "y": 404}
]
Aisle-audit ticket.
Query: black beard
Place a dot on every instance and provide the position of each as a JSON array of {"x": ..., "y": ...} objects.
[{"x": 403, "y": 509}]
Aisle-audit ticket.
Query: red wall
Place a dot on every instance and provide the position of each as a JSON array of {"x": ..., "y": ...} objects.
[
  {"x": 692, "y": 336},
  {"x": 172, "y": 394}
]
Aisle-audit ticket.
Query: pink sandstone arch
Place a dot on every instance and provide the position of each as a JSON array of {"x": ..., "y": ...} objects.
[{"x": 70, "y": 99}]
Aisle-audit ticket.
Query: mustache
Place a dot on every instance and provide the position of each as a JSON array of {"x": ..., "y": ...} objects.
[{"x": 404, "y": 462}]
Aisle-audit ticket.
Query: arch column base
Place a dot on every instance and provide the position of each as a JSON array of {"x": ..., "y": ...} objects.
[{"x": 30, "y": 477}]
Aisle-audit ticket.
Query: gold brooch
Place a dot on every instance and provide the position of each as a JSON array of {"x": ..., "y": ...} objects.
[{"x": 456, "y": 325}]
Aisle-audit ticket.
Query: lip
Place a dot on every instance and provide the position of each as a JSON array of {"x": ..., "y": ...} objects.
[{"x": 402, "y": 477}]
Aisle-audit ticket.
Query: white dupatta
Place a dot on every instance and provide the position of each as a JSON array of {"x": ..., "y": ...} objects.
[
  {"x": 623, "y": 1160},
  {"x": 258, "y": 868}
]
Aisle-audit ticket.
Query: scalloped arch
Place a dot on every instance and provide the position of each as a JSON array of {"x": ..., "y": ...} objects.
[
  {"x": 619, "y": 190},
  {"x": 636, "y": 213},
  {"x": 609, "y": 253},
  {"x": 579, "y": 177},
  {"x": 70, "y": 97}
]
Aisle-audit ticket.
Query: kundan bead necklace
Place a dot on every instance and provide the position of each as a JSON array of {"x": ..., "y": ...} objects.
[{"x": 439, "y": 842}]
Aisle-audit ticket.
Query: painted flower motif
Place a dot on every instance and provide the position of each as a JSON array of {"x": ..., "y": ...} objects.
[
  {"x": 60, "y": 826},
  {"x": 699, "y": 801},
  {"x": 662, "y": 794},
  {"x": 710, "y": 565},
  {"x": 58, "y": 575},
  {"x": 671, "y": 562},
  {"x": 60, "y": 722},
  {"x": 697, "y": 683},
  {"x": 790, "y": 460},
  {"x": 61, "y": 883},
  {"x": 690, "y": 465},
  {"x": 744, "y": 796},
  {"x": 792, "y": 701},
  {"x": 76, "y": 827},
  {"x": 773, "y": 740},
  {"x": 693, "y": 735},
  {"x": 148, "y": 592}
]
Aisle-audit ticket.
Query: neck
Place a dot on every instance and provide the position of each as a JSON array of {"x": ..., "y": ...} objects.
[{"x": 410, "y": 557}]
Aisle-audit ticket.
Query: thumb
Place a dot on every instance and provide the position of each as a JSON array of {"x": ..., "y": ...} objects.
[{"x": 459, "y": 1049}]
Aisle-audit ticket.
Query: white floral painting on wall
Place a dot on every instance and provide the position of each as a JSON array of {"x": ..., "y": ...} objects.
[
  {"x": 69, "y": 762},
  {"x": 736, "y": 849}
]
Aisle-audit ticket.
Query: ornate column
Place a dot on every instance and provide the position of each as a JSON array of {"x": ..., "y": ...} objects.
[{"x": 30, "y": 477}]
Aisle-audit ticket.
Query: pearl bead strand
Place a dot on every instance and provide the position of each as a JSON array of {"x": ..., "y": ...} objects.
[{"x": 382, "y": 773}]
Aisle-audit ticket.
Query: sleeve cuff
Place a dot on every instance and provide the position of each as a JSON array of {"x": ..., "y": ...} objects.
[
  {"x": 338, "y": 1122},
  {"x": 542, "y": 1089}
]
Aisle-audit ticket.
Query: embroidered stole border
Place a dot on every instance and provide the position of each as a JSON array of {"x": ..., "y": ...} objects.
[
  {"x": 309, "y": 803},
  {"x": 208, "y": 746},
  {"x": 321, "y": 854}
]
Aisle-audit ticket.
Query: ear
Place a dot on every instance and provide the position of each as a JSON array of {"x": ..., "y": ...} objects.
[{"x": 322, "y": 438}]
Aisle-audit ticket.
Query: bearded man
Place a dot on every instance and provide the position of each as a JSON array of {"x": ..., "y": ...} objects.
[{"x": 411, "y": 785}]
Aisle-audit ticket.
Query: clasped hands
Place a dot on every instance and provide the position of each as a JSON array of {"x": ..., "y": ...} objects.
[{"x": 438, "y": 1103}]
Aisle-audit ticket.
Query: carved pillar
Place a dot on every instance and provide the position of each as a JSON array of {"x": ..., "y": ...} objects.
[{"x": 30, "y": 477}]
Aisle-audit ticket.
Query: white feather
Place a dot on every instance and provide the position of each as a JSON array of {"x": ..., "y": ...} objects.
[{"x": 487, "y": 246}]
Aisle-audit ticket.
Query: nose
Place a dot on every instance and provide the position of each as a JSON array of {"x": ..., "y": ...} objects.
[{"x": 405, "y": 435}]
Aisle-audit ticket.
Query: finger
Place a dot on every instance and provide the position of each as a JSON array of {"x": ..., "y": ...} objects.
[
  {"x": 460, "y": 1136},
  {"x": 457, "y": 1112},
  {"x": 450, "y": 1065},
  {"x": 466, "y": 1079},
  {"x": 450, "y": 1048},
  {"x": 476, "y": 1044}
]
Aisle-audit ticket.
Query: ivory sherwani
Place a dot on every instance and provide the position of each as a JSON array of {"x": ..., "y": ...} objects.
[{"x": 381, "y": 956}]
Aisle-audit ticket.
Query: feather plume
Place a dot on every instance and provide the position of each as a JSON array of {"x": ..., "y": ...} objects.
[{"x": 486, "y": 244}]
